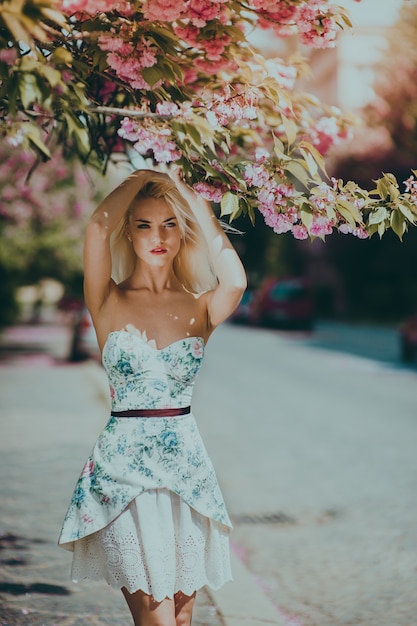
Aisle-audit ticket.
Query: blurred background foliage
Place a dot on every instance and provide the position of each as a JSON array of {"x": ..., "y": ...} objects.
[{"x": 43, "y": 212}]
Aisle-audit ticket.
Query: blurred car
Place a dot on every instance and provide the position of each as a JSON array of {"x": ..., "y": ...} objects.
[
  {"x": 408, "y": 338},
  {"x": 84, "y": 341},
  {"x": 284, "y": 303},
  {"x": 242, "y": 312}
]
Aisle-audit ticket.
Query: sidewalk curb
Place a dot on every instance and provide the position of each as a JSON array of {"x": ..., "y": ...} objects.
[{"x": 240, "y": 602}]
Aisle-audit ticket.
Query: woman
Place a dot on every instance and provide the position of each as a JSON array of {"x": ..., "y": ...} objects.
[{"x": 147, "y": 514}]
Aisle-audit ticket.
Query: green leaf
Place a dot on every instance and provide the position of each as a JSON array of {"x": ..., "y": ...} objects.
[
  {"x": 229, "y": 204},
  {"x": 393, "y": 191},
  {"x": 306, "y": 217},
  {"x": 297, "y": 170},
  {"x": 279, "y": 150},
  {"x": 407, "y": 213},
  {"x": 349, "y": 206},
  {"x": 378, "y": 216},
  {"x": 311, "y": 164},
  {"x": 290, "y": 129},
  {"x": 52, "y": 75},
  {"x": 28, "y": 89},
  {"x": 381, "y": 229},
  {"x": 397, "y": 224},
  {"x": 306, "y": 145},
  {"x": 33, "y": 134},
  {"x": 61, "y": 56},
  {"x": 152, "y": 75},
  {"x": 382, "y": 188}
]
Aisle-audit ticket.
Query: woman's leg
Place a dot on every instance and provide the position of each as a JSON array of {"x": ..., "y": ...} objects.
[
  {"x": 184, "y": 608},
  {"x": 146, "y": 612}
]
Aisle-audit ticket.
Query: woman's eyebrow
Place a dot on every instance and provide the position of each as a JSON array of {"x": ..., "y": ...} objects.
[{"x": 169, "y": 219}]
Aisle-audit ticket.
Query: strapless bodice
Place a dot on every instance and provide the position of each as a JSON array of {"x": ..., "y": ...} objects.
[{"x": 144, "y": 377}]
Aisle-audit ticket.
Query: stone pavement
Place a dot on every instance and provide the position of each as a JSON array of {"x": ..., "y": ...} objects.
[{"x": 50, "y": 415}]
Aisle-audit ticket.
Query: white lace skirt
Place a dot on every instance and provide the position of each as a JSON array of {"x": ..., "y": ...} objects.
[{"x": 158, "y": 544}]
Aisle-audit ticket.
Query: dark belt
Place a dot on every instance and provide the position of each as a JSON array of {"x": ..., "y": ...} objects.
[{"x": 152, "y": 412}]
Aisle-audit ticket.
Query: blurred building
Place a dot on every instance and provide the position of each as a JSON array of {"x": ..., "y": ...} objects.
[{"x": 344, "y": 75}]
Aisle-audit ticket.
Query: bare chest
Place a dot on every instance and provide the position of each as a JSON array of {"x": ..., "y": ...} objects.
[{"x": 164, "y": 319}]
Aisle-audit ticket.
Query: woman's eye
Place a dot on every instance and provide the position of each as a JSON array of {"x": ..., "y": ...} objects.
[
  {"x": 170, "y": 225},
  {"x": 143, "y": 225}
]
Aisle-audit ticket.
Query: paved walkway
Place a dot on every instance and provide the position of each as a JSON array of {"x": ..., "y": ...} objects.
[{"x": 50, "y": 415}]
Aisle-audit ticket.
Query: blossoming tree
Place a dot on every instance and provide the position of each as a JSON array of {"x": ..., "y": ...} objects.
[
  {"x": 178, "y": 81},
  {"x": 42, "y": 214}
]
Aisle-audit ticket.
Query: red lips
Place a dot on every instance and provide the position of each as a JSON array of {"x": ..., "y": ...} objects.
[{"x": 158, "y": 251}]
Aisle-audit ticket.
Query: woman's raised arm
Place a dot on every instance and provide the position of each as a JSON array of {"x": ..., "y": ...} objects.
[
  {"x": 227, "y": 265},
  {"x": 97, "y": 256}
]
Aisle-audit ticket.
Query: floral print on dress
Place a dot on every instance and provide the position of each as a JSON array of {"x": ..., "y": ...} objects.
[
  {"x": 132, "y": 455},
  {"x": 141, "y": 376}
]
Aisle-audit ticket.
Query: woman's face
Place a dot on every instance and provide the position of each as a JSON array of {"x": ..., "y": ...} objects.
[{"x": 154, "y": 230}]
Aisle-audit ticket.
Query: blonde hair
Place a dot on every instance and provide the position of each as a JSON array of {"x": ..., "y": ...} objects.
[{"x": 192, "y": 265}]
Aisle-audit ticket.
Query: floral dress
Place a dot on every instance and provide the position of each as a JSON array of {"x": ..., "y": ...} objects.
[{"x": 147, "y": 511}]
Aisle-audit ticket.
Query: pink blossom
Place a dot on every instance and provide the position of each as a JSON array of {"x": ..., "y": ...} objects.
[
  {"x": 326, "y": 133},
  {"x": 345, "y": 229},
  {"x": 278, "y": 222},
  {"x": 8, "y": 56},
  {"x": 321, "y": 226},
  {"x": 213, "y": 193},
  {"x": 214, "y": 67},
  {"x": 94, "y": 6},
  {"x": 167, "y": 108},
  {"x": 255, "y": 175},
  {"x": 360, "y": 233},
  {"x": 316, "y": 25},
  {"x": 147, "y": 141},
  {"x": 299, "y": 231},
  {"x": 188, "y": 33},
  {"x": 202, "y": 11},
  {"x": 115, "y": 44},
  {"x": 410, "y": 184},
  {"x": 285, "y": 75},
  {"x": 261, "y": 155},
  {"x": 266, "y": 199},
  {"x": 170, "y": 11},
  {"x": 215, "y": 47}
]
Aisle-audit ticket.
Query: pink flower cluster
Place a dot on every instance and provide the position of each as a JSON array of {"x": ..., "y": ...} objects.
[
  {"x": 316, "y": 25},
  {"x": 411, "y": 188},
  {"x": 274, "y": 199},
  {"x": 359, "y": 232},
  {"x": 127, "y": 60},
  {"x": 213, "y": 193},
  {"x": 150, "y": 141},
  {"x": 313, "y": 19},
  {"x": 227, "y": 107},
  {"x": 91, "y": 7},
  {"x": 326, "y": 133},
  {"x": 198, "y": 12},
  {"x": 213, "y": 48},
  {"x": 8, "y": 56}
]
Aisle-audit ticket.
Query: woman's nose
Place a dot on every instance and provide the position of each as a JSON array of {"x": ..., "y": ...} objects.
[{"x": 158, "y": 235}]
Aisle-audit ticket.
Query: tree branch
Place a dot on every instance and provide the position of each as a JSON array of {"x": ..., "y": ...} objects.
[{"x": 129, "y": 113}]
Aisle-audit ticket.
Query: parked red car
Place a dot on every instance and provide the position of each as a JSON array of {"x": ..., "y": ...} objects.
[
  {"x": 408, "y": 338},
  {"x": 285, "y": 303}
]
